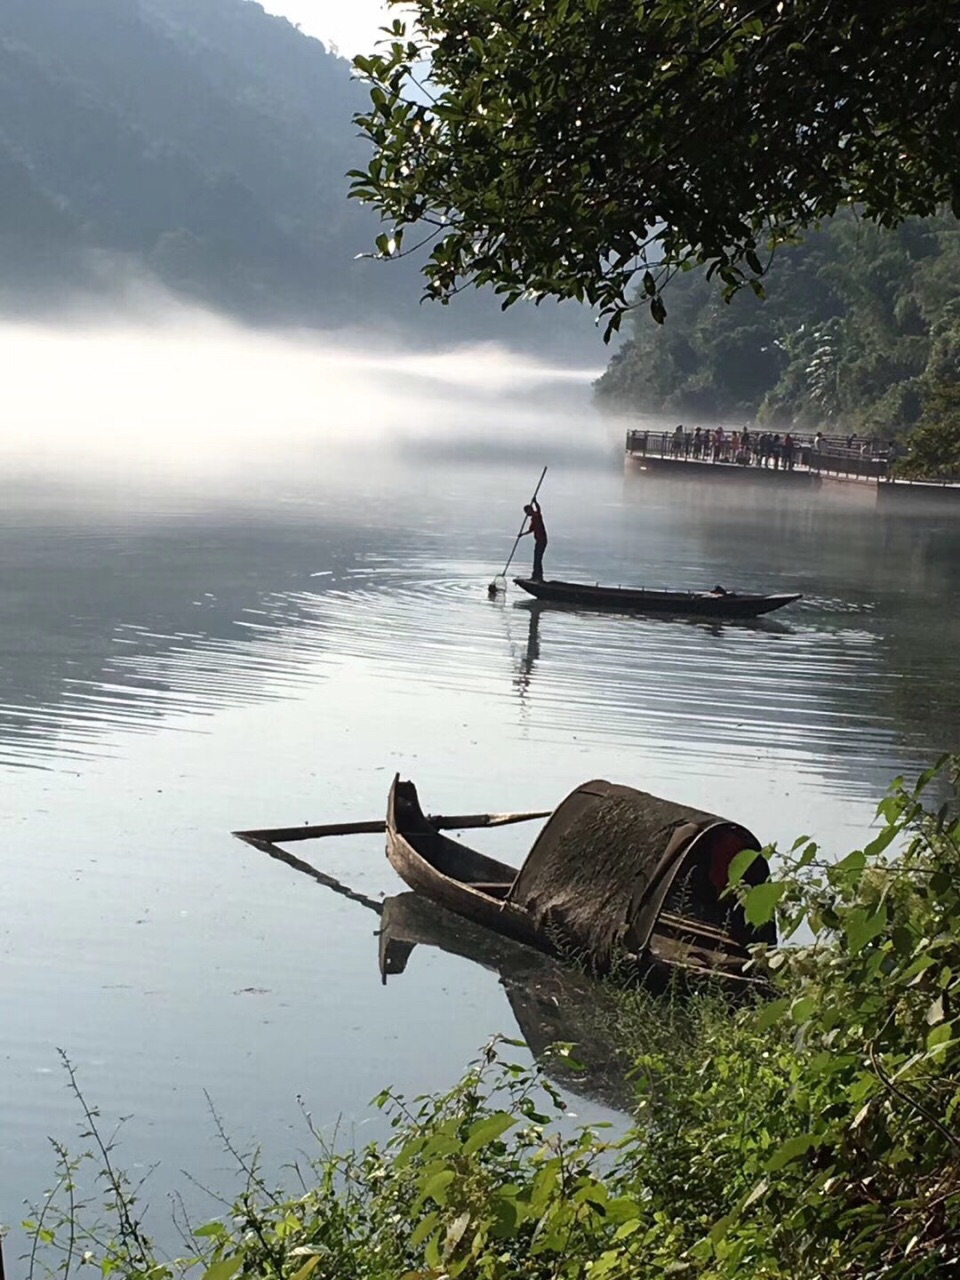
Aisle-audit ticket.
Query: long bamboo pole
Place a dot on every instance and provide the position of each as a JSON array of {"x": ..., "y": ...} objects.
[
  {"x": 442, "y": 822},
  {"x": 493, "y": 588}
]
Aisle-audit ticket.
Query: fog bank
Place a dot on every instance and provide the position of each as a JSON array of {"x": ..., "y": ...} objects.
[{"x": 190, "y": 397}]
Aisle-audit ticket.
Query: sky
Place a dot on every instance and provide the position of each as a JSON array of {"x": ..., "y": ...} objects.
[{"x": 349, "y": 24}]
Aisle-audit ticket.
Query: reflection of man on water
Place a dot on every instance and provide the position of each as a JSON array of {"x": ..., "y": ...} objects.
[{"x": 539, "y": 531}]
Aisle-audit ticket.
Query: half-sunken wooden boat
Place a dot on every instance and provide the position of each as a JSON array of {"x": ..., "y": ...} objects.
[
  {"x": 702, "y": 604},
  {"x": 618, "y": 879}
]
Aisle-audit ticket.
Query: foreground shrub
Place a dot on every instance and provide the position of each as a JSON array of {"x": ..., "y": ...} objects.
[{"x": 810, "y": 1136}]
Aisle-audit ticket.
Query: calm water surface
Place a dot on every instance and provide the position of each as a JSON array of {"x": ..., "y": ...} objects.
[{"x": 173, "y": 668}]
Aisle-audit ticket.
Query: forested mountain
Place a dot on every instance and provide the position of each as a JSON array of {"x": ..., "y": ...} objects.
[
  {"x": 206, "y": 143},
  {"x": 860, "y": 329}
]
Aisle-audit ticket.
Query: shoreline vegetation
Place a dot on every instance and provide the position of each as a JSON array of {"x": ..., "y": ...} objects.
[{"x": 809, "y": 1136}]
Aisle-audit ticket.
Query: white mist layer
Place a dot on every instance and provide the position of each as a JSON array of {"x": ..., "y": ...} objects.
[{"x": 200, "y": 399}]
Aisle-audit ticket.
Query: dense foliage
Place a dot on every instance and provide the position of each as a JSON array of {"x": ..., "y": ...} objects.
[
  {"x": 860, "y": 331},
  {"x": 811, "y": 1137},
  {"x": 574, "y": 148}
]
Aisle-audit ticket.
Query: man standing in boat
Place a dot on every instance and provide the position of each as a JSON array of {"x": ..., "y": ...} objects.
[{"x": 539, "y": 531}]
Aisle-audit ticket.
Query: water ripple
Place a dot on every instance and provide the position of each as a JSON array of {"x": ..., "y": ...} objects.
[{"x": 816, "y": 683}]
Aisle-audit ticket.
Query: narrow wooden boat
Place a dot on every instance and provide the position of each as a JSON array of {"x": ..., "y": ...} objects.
[
  {"x": 703, "y": 604},
  {"x": 618, "y": 879}
]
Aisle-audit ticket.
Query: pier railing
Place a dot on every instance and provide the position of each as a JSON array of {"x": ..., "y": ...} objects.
[{"x": 833, "y": 455}]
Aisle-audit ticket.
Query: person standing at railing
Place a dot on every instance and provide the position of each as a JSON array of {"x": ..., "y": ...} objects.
[
  {"x": 788, "y": 452},
  {"x": 697, "y": 443}
]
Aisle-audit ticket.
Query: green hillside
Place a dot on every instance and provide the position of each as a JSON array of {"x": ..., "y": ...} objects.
[{"x": 204, "y": 142}]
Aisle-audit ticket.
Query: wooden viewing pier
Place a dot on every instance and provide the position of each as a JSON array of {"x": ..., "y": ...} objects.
[
  {"x": 862, "y": 465},
  {"x": 669, "y": 452}
]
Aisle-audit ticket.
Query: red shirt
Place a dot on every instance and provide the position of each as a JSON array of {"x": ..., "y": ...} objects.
[{"x": 538, "y": 528}]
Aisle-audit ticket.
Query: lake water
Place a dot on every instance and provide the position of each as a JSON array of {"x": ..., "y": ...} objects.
[{"x": 265, "y": 638}]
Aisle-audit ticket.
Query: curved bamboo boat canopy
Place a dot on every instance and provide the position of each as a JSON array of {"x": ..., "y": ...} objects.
[{"x": 613, "y": 861}]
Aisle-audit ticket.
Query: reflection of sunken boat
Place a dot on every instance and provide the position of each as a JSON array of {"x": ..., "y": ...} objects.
[
  {"x": 616, "y": 877},
  {"x": 701, "y": 604},
  {"x": 552, "y": 1003}
]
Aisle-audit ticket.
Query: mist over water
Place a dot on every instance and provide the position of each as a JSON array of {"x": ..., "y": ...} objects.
[
  {"x": 194, "y": 399},
  {"x": 243, "y": 580}
]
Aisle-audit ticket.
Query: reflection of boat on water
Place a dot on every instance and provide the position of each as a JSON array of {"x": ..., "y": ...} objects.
[
  {"x": 536, "y": 608},
  {"x": 702, "y": 604},
  {"x": 552, "y": 1003},
  {"x": 622, "y": 879}
]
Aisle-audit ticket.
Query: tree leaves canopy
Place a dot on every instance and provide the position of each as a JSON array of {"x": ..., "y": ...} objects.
[{"x": 579, "y": 148}]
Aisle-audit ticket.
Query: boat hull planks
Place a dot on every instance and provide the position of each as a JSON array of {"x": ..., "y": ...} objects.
[{"x": 702, "y": 604}]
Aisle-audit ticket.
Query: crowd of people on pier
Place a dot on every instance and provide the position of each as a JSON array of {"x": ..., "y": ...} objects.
[
  {"x": 747, "y": 448},
  {"x": 774, "y": 450}
]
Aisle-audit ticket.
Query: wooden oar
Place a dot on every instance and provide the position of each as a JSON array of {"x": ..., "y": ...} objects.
[{"x": 442, "y": 822}]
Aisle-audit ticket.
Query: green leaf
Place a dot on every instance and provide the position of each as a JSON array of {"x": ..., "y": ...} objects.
[
  {"x": 743, "y": 860},
  {"x": 809, "y": 853},
  {"x": 435, "y": 1188},
  {"x": 720, "y": 1228},
  {"x": 881, "y": 842},
  {"x": 760, "y": 903},
  {"x": 225, "y": 1269},
  {"x": 487, "y": 1130},
  {"x": 847, "y": 870},
  {"x": 423, "y": 1228},
  {"x": 608, "y": 1260},
  {"x": 307, "y": 1269},
  {"x": 940, "y": 1035},
  {"x": 801, "y": 1009},
  {"x": 772, "y": 1013},
  {"x": 211, "y": 1229},
  {"x": 862, "y": 928},
  {"x": 627, "y": 1229},
  {"x": 791, "y": 1150}
]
